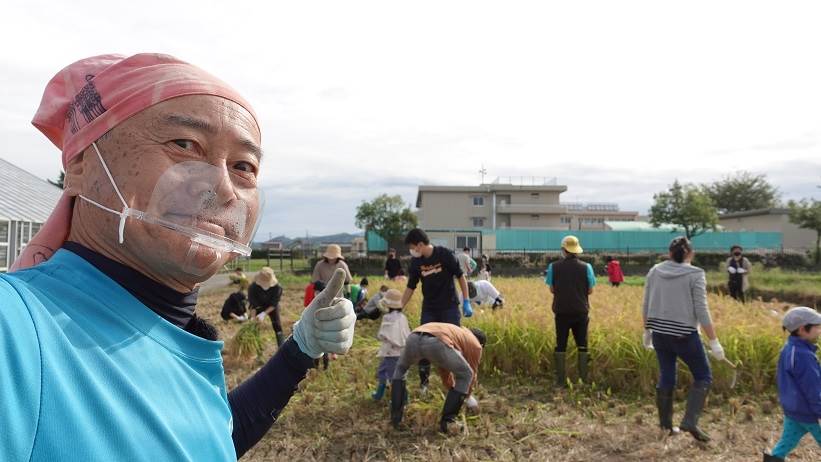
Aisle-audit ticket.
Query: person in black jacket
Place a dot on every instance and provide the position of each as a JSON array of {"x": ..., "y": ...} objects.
[
  {"x": 263, "y": 298},
  {"x": 571, "y": 281},
  {"x": 393, "y": 267},
  {"x": 234, "y": 306}
]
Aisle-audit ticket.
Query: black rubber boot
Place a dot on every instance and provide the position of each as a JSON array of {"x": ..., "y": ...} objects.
[
  {"x": 399, "y": 396},
  {"x": 771, "y": 458},
  {"x": 453, "y": 404},
  {"x": 561, "y": 376},
  {"x": 584, "y": 366},
  {"x": 695, "y": 405},
  {"x": 664, "y": 403},
  {"x": 280, "y": 338}
]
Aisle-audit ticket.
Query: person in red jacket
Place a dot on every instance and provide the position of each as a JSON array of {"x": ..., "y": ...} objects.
[{"x": 614, "y": 273}]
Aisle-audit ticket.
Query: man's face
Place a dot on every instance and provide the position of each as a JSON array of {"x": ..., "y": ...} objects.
[{"x": 148, "y": 150}]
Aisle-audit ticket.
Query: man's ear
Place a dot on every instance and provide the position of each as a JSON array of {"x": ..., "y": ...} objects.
[{"x": 73, "y": 180}]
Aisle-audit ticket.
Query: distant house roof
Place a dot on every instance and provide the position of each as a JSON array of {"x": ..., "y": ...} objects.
[
  {"x": 25, "y": 197},
  {"x": 755, "y": 213},
  {"x": 486, "y": 188},
  {"x": 638, "y": 226}
]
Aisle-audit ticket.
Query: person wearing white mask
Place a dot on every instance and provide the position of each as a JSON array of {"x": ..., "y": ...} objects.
[
  {"x": 437, "y": 268},
  {"x": 98, "y": 324}
]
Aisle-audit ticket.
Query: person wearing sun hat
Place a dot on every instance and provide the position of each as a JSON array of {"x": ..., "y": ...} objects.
[
  {"x": 98, "y": 326},
  {"x": 264, "y": 296},
  {"x": 392, "y": 334},
  {"x": 331, "y": 260},
  {"x": 571, "y": 281}
]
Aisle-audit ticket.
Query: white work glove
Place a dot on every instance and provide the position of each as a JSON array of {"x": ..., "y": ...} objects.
[
  {"x": 472, "y": 403},
  {"x": 731, "y": 270},
  {"x": 717, "y": 350},
  {"x": 647, "y": 339},
  {"x": 741, "y": 271},
  {"x": 327, "y": 324},
  {"x": 261, "y": 317}
]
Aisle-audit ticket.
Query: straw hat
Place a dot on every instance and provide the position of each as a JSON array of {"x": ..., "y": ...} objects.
[
  {"x": 391, "y": 299},
  {"x": 266, "y": 278},
  {"x": 571, "y": 244},
  {"x": 332, "y": 251}
]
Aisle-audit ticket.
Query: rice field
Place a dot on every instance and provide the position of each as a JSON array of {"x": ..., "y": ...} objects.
[{"x": 522, "y": 416}]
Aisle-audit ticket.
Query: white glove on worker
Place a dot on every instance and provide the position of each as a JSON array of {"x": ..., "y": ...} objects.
[
  {"x": 647, "y": 339},
  {"x": 327, "y": 324},
  {"x": 472, "y": 403},
  {"x": 741, "y": 271},
  {"x": 731, "y": 270},
  {"x": 261, "y": 317},
  {"x": 717, "y": 350}
]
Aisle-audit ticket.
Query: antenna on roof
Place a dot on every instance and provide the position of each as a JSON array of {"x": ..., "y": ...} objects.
[{"x": 483, "y": 172}]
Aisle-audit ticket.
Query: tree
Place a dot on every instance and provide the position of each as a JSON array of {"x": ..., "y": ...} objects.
[
  {"x": 685, "y": 206},
  {"x": 806, "y": 213},
  {"x": 60, "y": 180},
  {"x": 742, "y": 191},
  {"x": 387, "y": 216}
]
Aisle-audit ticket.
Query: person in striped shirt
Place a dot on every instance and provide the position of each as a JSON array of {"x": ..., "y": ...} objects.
[{"x": 675, "y": 306}]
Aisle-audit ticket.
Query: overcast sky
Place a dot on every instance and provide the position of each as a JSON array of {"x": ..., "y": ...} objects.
[{"x": 615, "y": 99}]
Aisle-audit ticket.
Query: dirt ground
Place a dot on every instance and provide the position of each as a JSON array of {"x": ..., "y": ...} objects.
[{"x": 332, "y": 417}]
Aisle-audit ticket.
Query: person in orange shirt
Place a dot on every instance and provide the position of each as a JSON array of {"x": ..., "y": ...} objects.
[{"x": 456, "y": 352}]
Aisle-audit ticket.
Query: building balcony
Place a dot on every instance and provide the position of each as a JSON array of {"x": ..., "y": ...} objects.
[{"x": 534, "y": 209}]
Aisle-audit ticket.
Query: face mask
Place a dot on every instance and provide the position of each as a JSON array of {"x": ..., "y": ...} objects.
[
  {"x": 199, "y": 238},
  {"x": 415, "y": 253}
]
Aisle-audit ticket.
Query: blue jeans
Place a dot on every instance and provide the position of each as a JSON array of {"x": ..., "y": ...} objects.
[
  {"x": 690, "y": 349},
  {"x": 792, "y": 434}
]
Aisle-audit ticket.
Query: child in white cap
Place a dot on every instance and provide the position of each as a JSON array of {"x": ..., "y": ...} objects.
[
  {"x": 392, "y": 333},
  {"x": 799, "y": 381}
]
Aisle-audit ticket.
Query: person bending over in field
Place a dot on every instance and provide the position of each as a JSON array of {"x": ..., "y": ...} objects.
[
  {"x": 614, "y": 273},
  {"x": 372, "y": 310},
  {"x": 436, "y": 267},
  {"x": 675, "y": 305},
  {"x": 571, "y": 281},
  {"x": 484, "y": 293},
  {"x": 456, "y": 351},
  {"x": 236, "y": 305},
  {"x": 263, "y": 297},
  {"x": 97, "y": 316}
]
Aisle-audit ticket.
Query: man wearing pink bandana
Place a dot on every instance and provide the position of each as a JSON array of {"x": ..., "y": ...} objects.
[{"x": 102, "y": 356}]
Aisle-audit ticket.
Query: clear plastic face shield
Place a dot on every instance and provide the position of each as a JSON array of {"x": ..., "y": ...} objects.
[{"x": 217, "y": 213}]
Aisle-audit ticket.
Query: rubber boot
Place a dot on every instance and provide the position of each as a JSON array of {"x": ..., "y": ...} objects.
[
  {"x": 280, "y": 338},
  {"x": 453, "y": 404},
  {"x": 399, "y": 396},
  {"x": 380, "y": 391},
  {"x": 664, "y": 403},
  {"x": 695, "y": 405},
  {"x": 561, "y": 377},
  {"x": 584, "y": 366},
  {"x": 772, "y": 458}
]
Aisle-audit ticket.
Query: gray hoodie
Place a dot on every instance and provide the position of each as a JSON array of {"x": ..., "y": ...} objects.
[{"x": 675, "y": 298}]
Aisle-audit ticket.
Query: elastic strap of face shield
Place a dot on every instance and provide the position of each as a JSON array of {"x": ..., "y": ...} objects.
[{"x": 124, "y": 214}]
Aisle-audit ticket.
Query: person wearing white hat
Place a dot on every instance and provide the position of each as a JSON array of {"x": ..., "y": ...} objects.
[
  {"x": 571, "y": 281},
  {"x": 392, "y": 334},
  {"x": 263, "y": 297},
  {"x": 799, "y": 381},
  {"x": 331, "y": 260}
]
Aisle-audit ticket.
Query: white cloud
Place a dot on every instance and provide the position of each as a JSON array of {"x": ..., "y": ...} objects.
[{"x": 614, "y": 98}]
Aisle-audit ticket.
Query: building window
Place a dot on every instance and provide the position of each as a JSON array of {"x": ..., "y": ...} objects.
[
  {"x": 4, "y": 231},
  {"x": 534, "y": 196},
  {"x": 534, "y": 217},
  {"x": 478, "y": 222},
  {"x": 567, "y": 220},
  {"x": 478, "y": 201}
]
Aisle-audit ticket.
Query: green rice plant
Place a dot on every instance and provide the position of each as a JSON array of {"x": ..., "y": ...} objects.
[{"x": 248, "y": 344}]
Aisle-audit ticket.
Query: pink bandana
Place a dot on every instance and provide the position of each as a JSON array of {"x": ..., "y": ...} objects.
[{"x": 90, "y": 97}]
